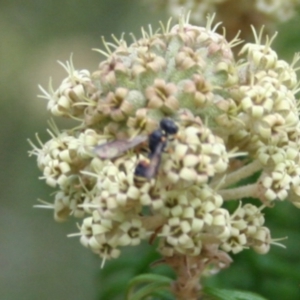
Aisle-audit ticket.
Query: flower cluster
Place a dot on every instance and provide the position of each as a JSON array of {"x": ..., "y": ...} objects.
[{"x": 235, "y": 117}]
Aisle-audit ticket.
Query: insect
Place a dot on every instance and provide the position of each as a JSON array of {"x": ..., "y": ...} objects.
[
  {"x": 148, "y": 168},
  {"x": 116, "y": 148},
  {"x": 155, "y": 142}
]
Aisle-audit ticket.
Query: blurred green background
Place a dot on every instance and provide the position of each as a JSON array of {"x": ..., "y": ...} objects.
[{"x": 37, "y": 260}]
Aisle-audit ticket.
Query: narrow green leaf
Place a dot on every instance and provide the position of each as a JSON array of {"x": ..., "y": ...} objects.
[
  {"x": 218, "y": 294},
  {"x": 146, "y": 278},
  {"x": 163, "y": 295},
  {"x": 243, "y": 295},
  {"x": 223, "y": 294},
  {"x": 147, "y": 290}
]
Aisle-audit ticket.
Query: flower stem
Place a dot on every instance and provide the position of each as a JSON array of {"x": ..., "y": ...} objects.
[
  {"x": 188, "y": 271},
  {"x": 249, "y": 190},
  {"x": 237, "y": 175}
]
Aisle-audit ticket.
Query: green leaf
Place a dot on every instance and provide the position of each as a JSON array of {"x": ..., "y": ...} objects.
[
  {"x": 222, "y": 294},
  {"x": 155, "y": 280},
  {"x": 163, "y": 295},
  {"x": 147, "y": 290}
]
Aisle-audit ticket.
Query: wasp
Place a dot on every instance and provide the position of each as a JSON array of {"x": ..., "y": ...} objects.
[
  {"x": 148, "y": 168},
  {"x": 116, "y": 148},
  {"x": 155, "y": 142}
]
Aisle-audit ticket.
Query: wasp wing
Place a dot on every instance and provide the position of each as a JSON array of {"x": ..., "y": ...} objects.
[
  {"x": 155, "y": 159},
  {"x": 116, "y": 148}
]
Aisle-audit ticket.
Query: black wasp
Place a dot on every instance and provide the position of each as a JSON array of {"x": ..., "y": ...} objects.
[{"x": 157, "y": 141}]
